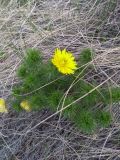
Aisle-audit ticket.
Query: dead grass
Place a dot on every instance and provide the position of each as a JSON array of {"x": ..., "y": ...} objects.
[{"x": 71, "y": 24}]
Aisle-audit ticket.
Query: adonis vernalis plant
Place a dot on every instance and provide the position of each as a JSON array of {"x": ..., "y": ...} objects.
[{"x": 43, "y": 85}]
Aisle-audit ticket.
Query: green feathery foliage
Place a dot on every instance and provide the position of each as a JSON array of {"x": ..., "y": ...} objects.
[
  {"x": 44, "y": 87},
  {"x": 84, "y": 120},
  {"x": 22, "y": 2},
  {"x": 86, "y": 56},
  {"x": 111, "y": 95},
  {"x": 103, "y": 118}
]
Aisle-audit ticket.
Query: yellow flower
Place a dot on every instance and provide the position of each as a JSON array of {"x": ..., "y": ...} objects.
[
  {"x": 25, "y": 105},
  {"x": 3, "y": 108},
  {"x": 64, "y": 61}
]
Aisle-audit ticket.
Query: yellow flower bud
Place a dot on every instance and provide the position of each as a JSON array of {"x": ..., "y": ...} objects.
[
  {"x": 25, "y": 105},
  {"x": 3, "y": 108}
]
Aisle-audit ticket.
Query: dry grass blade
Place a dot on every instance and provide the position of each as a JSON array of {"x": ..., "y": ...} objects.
[{"x": 70, "y": 24}]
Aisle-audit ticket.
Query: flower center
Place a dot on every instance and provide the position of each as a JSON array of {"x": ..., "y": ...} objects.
[{"x": 63, "y": 63}]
